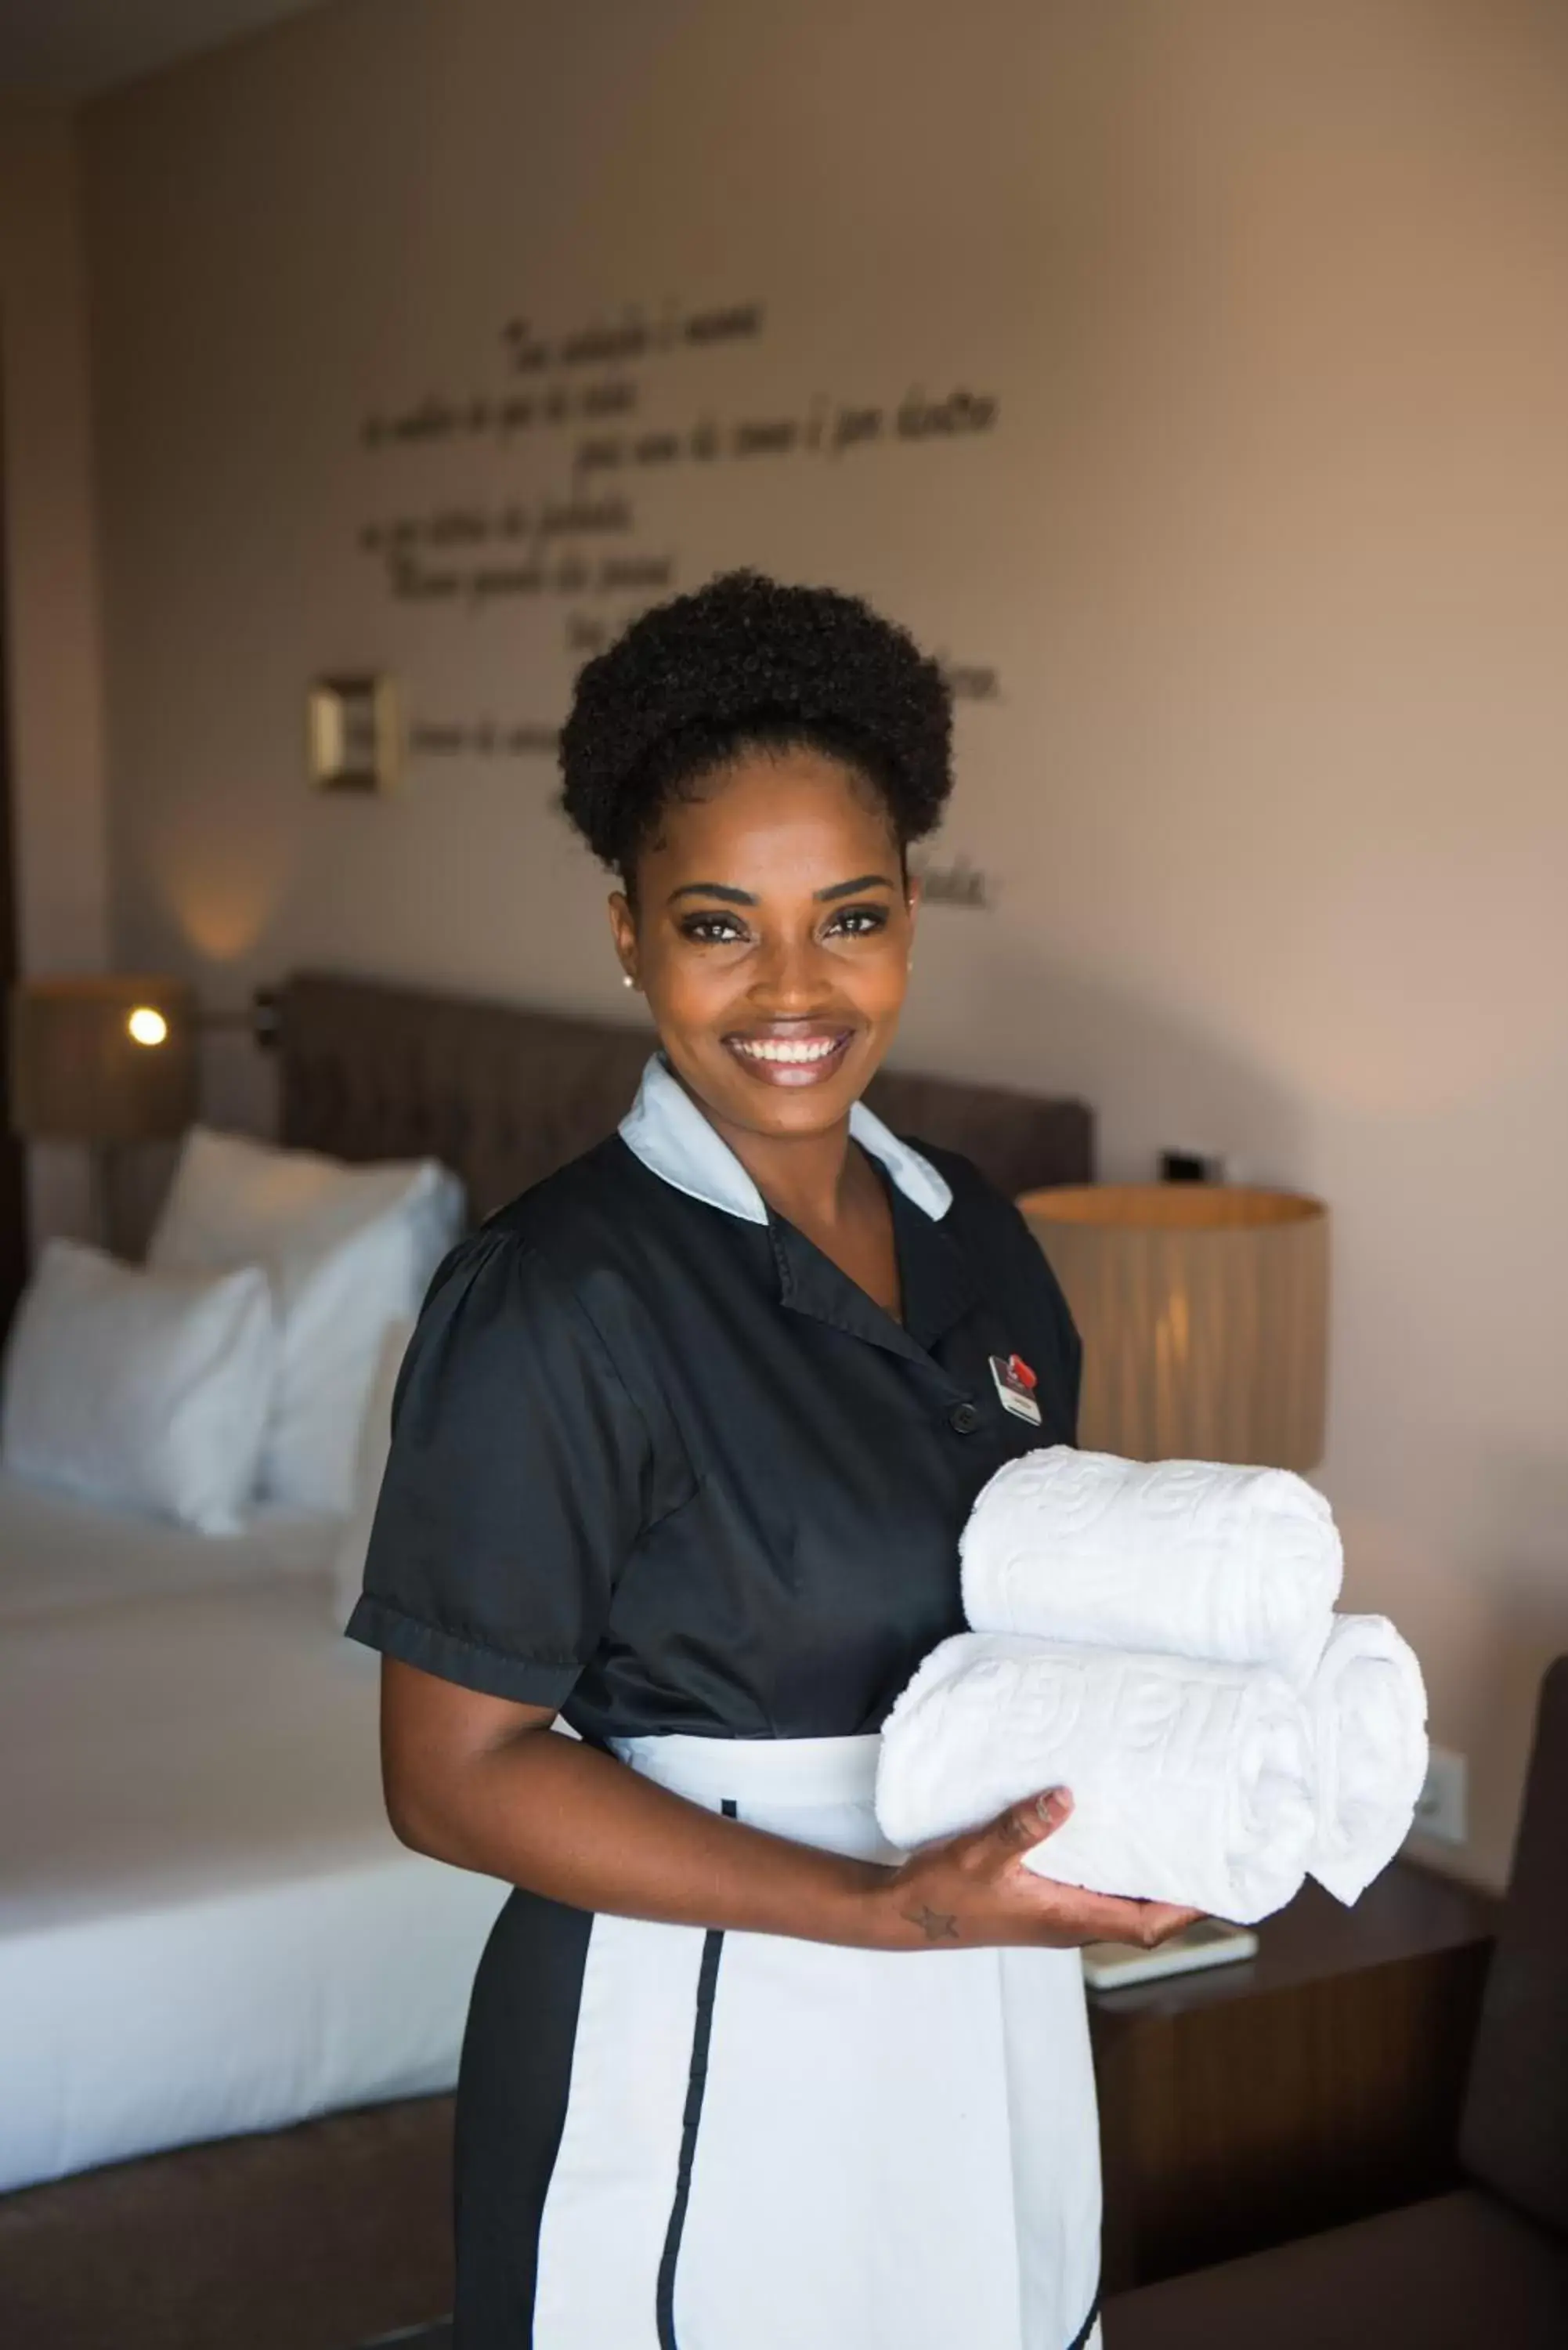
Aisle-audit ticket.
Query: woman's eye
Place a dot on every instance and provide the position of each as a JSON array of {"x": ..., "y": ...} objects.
[
  {"x": 721, "y": 929},
  {"x": 859, "y": 922},
  {"x": 712, "y": 929}
]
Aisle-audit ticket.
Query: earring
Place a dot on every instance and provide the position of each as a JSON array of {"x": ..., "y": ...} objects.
[{"x": 626, "y": 980}]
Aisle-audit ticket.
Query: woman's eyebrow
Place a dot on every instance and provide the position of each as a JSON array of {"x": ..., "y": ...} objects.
[
  {"x": 733, "y": 897},
  {"x": 730, "y": 895}
]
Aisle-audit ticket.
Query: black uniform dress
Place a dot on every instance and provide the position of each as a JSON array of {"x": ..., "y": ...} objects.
[{"x": 659, "y": 1463}]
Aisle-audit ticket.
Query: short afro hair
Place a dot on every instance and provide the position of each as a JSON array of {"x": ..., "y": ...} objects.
[{"x": 746, "y": 664}]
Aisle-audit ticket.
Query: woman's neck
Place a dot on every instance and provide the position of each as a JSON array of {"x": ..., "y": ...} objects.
[{"x": 815, "y": 1181}]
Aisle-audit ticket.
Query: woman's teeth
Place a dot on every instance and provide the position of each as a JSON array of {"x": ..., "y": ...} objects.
[{"x": 779, "y": 1049}]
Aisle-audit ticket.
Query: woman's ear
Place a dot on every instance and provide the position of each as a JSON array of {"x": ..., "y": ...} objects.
[{"x": 623, "y": 930}]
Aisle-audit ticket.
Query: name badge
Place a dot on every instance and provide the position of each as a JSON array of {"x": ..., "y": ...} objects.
[{"x": 1015, "y": 1384}]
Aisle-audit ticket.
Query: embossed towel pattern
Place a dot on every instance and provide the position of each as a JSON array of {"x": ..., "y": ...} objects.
[
  {"x": 1194, "y": 1558},
  {"x": 1160, "y": 1638},
  {"x": 1191, "y": 1779}
]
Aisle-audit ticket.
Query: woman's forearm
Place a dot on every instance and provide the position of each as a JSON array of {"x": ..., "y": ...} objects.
[
  {"x": 483, "y": 1783},
  {"x": 561, "y": 1819}
]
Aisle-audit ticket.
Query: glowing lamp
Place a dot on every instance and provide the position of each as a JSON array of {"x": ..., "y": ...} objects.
[{"x": 1203, "y": 1309}]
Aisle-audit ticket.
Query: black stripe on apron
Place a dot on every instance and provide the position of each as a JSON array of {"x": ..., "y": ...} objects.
[
  {"x": 1088, "y": 2326},
  {"x": 695, "y": 2081}
]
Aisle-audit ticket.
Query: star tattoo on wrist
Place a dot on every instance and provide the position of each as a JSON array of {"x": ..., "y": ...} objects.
[{"x": 935, "y": 1924}]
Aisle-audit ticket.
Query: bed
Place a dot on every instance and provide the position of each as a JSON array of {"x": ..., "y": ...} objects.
[
  {"x": 57, "y": 1554},
  {"x": 206, "y": 1928}
]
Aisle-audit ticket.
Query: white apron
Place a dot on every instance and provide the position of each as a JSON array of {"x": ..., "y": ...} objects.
[{"x": 778, "y": 2145}]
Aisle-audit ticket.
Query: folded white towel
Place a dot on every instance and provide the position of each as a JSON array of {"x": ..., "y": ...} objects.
[
  {"x": 1189, "y": 1557},
  {"x": 1366, "y": 1703},
  {"x": 1192, "y": 1780}
]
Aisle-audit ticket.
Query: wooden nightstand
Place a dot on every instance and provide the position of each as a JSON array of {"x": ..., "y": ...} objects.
[{"x": 1317, "y": 2083}]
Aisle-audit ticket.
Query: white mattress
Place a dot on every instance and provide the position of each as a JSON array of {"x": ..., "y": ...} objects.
[
  {"x": 206, "y": 1925},
  {"x": 57, "y": 1552}
]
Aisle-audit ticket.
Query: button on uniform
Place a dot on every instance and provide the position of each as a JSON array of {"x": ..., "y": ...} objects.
[{"x": 963, "y": 1418}]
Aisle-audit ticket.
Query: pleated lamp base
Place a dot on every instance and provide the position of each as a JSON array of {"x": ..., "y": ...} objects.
[{"x": 1203, "y": 1309}]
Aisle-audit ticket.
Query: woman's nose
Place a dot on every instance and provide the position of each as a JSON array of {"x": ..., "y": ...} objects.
[{"x": 791, "y": 974}]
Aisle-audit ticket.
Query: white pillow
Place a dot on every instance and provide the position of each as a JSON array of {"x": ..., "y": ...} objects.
[
  {"x": 349, "y": 1249},
  {"x": 144, "y": 1391},
  {"x": 369, "y": 1468}
]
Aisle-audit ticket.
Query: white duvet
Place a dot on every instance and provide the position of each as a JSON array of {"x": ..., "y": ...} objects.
[
  {"x": 58, "y": 1553},
  {"x": 206, "y": 1925}
]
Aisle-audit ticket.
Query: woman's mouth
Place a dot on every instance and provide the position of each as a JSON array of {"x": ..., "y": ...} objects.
[{"x": 800, "y": 1060}]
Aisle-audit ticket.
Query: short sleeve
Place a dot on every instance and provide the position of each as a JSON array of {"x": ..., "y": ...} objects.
[{"x": 515, "y": 1485}]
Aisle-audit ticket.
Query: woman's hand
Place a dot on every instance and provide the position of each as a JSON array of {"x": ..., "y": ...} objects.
[{"x": 974, "y": 1892}]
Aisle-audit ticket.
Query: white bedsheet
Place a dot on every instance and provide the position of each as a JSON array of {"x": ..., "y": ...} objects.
[
  {"x": 56, "y": 1551},
  {"x": 206, "y": 1925}
]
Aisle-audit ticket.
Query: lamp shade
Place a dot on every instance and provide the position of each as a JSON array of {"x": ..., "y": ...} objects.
[
  {"x": 1203, "y": 1309},
  {"x": 103, "y": 1060}
]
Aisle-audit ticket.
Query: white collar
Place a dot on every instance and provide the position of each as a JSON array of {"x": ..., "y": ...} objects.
[{"x": 669, "y": 1133}]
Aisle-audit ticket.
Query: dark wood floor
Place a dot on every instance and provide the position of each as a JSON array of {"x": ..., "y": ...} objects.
[{"x": 328, "y": 2236}]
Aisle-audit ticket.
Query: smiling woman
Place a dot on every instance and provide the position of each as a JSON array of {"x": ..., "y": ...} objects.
[
  {"x": 683, "y": 1446},
  {"x": 760, "y": 837}
]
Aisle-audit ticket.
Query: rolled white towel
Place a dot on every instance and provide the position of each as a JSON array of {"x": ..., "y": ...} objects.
[
  {"x": 1192, "y": 1780},
  {"x": 1192, "y": 1558},
  {"x": 1366, "y": 1703}
]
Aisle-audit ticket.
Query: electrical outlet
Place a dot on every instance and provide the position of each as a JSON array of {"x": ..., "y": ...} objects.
[
  {"x": 1443, "y": 1802},
  {"x": 1192, "y": 1167}
]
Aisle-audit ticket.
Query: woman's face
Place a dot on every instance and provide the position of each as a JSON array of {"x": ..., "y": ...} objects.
[{"x": 772, "y": 940}]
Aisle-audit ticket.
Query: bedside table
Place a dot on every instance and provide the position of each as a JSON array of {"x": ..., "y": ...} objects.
[{"x": 1317, "y": 2083}]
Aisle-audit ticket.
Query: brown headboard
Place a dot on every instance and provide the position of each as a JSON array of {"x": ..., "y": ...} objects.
[{"x": 505, "y": 1094}]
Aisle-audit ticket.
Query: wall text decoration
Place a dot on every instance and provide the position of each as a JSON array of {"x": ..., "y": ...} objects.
[
  {"x": 582, "y": 420},
  {"x": 579, "y": 399}
]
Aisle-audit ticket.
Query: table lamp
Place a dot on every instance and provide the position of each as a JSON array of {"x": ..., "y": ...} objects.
[
  {"x": 102, "y": 1061},
  {"x": 1203, "y": 1309}
]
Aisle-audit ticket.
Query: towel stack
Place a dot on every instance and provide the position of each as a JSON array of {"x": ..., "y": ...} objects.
[{"x": 1160, "y": 1638}]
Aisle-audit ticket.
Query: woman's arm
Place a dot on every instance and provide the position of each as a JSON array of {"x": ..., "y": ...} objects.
[{"x": 481, "y": 1783}]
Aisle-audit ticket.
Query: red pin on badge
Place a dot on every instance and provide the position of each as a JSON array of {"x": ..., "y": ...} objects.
[{"x": 1015, "y": 1385}]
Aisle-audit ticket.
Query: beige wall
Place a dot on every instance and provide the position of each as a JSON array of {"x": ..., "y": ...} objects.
[
  {"x": 1269, "y": 547},
  {"x": 51, "y": 585}
]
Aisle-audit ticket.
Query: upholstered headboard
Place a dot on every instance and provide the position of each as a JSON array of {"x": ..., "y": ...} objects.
[{"x": 503, "y": 1094}]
